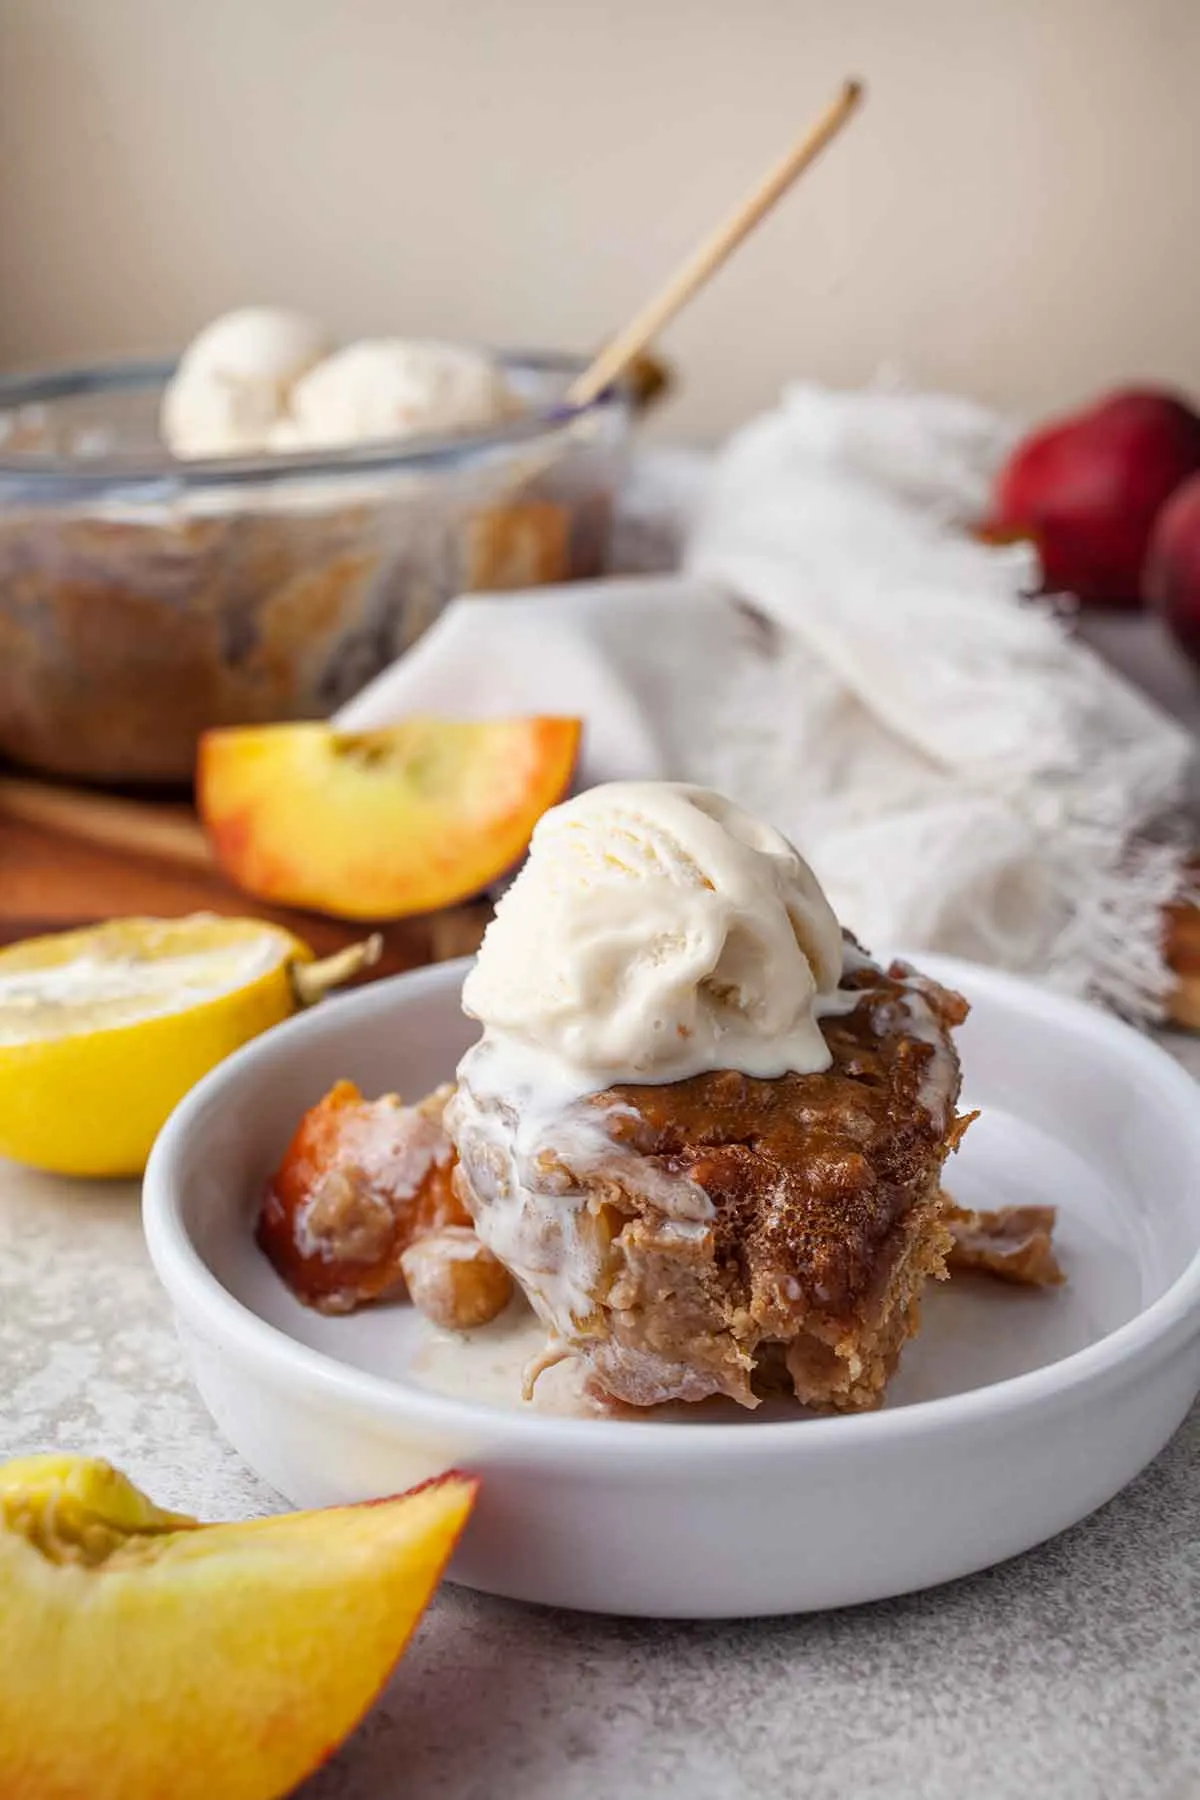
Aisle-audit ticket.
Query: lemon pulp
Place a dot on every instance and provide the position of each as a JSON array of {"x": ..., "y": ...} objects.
[{"x": 130, "y": 970}]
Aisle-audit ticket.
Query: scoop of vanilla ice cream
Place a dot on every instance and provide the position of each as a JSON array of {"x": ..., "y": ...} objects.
[
  {"x": 392, "y": 387},
  {"x": 657, "y": 931},
  {"x": 234, "y": 379}
]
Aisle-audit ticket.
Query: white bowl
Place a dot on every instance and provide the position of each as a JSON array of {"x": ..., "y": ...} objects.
[{"x": 1014, "y": 1415}]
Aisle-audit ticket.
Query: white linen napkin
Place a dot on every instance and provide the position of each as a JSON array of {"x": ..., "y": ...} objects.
[{"x": 843, "y": 657}]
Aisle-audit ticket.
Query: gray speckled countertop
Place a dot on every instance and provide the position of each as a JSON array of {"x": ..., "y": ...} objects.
[{"x": 1073, "y": 1672}]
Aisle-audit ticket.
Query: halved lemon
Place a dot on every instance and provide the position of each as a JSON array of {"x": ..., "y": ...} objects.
[{"x": 103, "y": 1031}]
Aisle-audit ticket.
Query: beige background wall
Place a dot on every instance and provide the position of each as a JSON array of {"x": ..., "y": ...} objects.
[{"x": 1015, "y": 213}]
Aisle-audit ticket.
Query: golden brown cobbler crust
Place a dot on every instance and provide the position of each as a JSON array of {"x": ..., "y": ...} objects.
[{"x": 811, "y": 1173}]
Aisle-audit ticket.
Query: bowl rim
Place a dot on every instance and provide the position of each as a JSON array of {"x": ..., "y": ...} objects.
[
  {"x": 417, "y": 452},
  {"x": 1153, "y": 1334}
]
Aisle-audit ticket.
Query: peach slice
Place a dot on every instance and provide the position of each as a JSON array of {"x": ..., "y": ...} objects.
[
  {"x": 142, "y": 1653},
  {"x": 379, "y": 824},
  {"x": 360, "y": 1182}
]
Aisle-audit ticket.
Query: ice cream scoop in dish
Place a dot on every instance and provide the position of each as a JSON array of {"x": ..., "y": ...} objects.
[
  {"x": 265, "y": 379},
  {"x": 386, "y": 388},
  {"x": 658, "y": 932},
  {"x": 234, "y": 380}
]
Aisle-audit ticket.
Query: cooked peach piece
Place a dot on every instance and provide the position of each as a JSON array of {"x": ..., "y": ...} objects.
[
  {"x": 455, "y": 1280},
  {"x": 361, "y": 1180},
  {"x": 144, "y": 1653},
  {"x": 1014, "y": 1244},
  {"x": 379, "y": 824}
]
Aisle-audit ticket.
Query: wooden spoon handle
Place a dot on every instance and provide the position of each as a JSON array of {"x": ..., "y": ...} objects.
[
  {"x": 166, "y": 833},
  {"x": 708, "y": 256}
]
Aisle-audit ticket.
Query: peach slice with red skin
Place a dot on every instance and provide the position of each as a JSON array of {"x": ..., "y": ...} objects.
[
  {"x": 143, "y": 1653},
  {"x": 379, "y": 824}
]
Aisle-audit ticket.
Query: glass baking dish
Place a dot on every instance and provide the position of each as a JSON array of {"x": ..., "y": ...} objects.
[{"x": 143, "y": 599}]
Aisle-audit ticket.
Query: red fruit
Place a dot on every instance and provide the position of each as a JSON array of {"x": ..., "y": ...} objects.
[
  {"x": 1088, "y": 488},
  {"x": 1173, "y": 565}
]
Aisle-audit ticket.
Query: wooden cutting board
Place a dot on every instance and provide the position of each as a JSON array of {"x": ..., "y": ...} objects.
[{"x": 50, "y": 881}]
